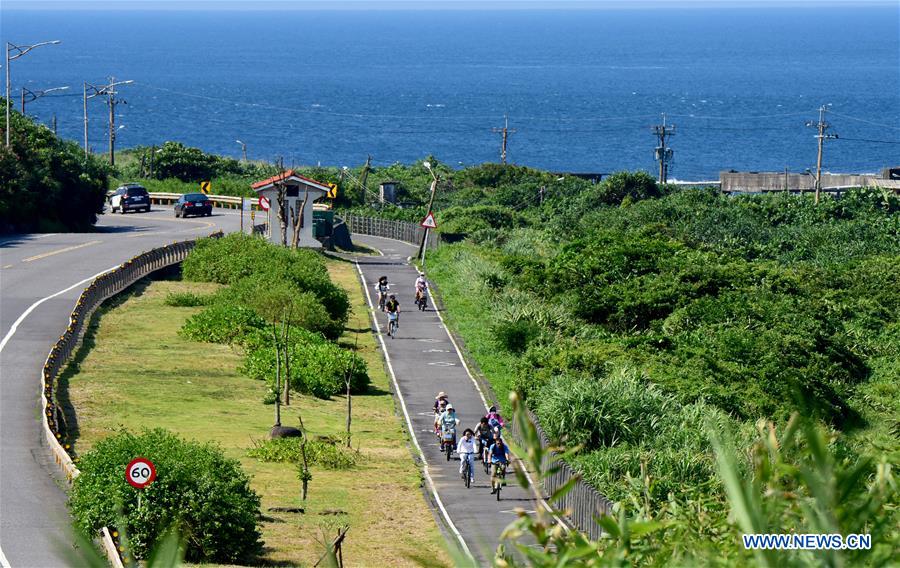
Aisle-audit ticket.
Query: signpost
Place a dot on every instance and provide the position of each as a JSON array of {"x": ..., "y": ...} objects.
[
  {"x": 263, "y": 203},
  {"x": 429, "y": 223},
  {"x": 246, "y": 205},
  {"x": 140, "y": 472}
]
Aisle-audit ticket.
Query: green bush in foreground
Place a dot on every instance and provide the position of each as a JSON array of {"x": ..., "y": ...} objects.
[{"x": 206, "y": 495}]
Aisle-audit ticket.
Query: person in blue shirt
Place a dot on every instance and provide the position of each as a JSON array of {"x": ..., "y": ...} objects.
[{"x": 499, "y": 459}]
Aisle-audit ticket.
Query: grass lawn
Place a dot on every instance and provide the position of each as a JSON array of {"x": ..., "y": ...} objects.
[{"x": 137, "y": 372}]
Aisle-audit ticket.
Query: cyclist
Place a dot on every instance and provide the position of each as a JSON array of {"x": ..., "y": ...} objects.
[
  {"x": 440, "y": 405},
  {"x": 466, "y": 451},
  {"x": 448, "y": 422},
  {"x": 494, "y": 415},
  {"x": 485, "y": 435},
  {"x": 499, "y": 459},
  {"x": 382, "y": 288},
  {"x": 421, "y": 287},
  {"x": 392, "y": 307}
]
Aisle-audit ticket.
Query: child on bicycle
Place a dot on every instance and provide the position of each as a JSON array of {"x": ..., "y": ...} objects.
[{"x": 485, "y": 435}]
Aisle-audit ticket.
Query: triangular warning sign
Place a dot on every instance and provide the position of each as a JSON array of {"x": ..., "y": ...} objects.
[{"x": 428, "y": 221}]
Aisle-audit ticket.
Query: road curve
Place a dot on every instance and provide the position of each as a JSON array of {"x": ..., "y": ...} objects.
[
  {"x": 423, "y": 360},
  {"x": 51, "y": 270}
]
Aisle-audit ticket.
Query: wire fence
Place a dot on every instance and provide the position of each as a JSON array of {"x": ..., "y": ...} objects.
[
  {"x": 102, "y": 288},
  {"x": 392, "y": 229}
]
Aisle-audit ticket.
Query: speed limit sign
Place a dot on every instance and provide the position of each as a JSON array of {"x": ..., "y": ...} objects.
[{"x": 140, "y": 472}]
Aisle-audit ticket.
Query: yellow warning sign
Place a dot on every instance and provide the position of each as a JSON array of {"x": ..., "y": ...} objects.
[
  {"x": 204, "y": 187},
  {"x": 332, "y": 193}
]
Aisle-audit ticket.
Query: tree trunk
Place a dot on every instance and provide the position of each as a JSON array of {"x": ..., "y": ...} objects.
[
  {"x": 304, "y": 477},
  {"x": 297, "y": 219},
  {"x": 277, "y": 377},
  {"x": 281, "y": 198}
]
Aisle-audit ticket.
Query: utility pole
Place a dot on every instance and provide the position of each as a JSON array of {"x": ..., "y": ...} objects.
[
  {"x": 53, "y": 122},
  {"x": 821, "y": 126},
  {"x": 663, "y": 153},
  {"x": 434, "y": 183},
  {"x": 111, "y": 102},
  {"x": 364, "y": 177},
  {"x": 505, "y": 132},
  {"x": 110, "y": 92}
]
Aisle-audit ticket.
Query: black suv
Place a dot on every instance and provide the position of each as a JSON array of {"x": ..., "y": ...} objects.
[{"x": 129, "y": 197}]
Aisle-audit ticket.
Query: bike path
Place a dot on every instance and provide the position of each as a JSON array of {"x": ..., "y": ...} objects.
[{"x": 424, "y": 361}]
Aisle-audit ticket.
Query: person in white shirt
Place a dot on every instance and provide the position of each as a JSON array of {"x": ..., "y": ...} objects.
[{"x": 466, "y": 451}]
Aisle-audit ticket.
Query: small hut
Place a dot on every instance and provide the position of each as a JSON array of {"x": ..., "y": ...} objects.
[{"x": 296, "y": 188}]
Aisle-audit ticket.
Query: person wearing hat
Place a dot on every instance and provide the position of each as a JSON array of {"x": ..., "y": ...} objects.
[
  {"x": 440, "y": 404},
  {"x": 448, "y": 422}
]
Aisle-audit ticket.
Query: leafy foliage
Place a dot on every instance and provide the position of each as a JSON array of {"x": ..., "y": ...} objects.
[
  {"x": 222, "y": 323},
  {"x": 47, "y": 184},
  {"x": 318, "y": 367},
  {"x": 196, "y": 488},
  {"x": 186, "y": 300},
  {"x": 322, "y": 452}
]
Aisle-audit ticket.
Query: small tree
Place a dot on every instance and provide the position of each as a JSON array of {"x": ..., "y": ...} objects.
[{"x": 297, "y": 219}]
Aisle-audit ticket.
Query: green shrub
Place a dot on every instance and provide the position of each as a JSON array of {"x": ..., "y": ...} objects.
[
  {"x": 186, "y": 300},
  {"x": 515, "y": 336},
  {"x": 466, "y": 220},
  {"x": 234, "y": 257},
  {"x": 318, "y": 366},
  {"x": 222, "y": 323},
  {"x": 277, "y": 300},
  {"x": 197, "y": 488},
  {"x": 324, "y": 453}
]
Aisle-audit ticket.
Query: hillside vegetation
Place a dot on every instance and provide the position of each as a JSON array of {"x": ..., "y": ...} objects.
[
  {"x": 632, "y": 317},
  {"x": 47, "y": 184}
]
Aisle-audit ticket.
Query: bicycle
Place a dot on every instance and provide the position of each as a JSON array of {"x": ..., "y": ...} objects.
[
  {"x": 392, "y": 324},
  {"x": 467, "y": 469},
  {"x": 422, "y": 300},
  {"x": 448, "y": 442},
  {"x": 497, "y": 479},
  {"x": 382, "y": 298},
  {"x": 485, "y": 458}
]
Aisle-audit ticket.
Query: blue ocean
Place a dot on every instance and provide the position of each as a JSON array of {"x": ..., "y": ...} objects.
[{"x": 582, "y": 89}]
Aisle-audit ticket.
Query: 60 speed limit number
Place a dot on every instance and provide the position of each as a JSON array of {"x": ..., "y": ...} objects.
[{"x": 140, "y": 472}]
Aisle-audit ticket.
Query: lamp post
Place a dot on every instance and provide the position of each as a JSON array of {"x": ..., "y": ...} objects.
[
  {"x": 22, "y": 50},
  {"x": 243, "y": 149},
  {"x": 35, "y": 95}
]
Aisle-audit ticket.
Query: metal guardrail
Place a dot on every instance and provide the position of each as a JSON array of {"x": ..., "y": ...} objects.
[
  {"x": 102, "y": 288},
  {"x": 227, "y": 201},
  {"x": 392, "y": 229}
]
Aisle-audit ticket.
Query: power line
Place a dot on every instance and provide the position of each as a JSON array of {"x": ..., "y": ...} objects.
[
  {"x": 863, "y": 120},
  {"x": 871, "y": 141}
]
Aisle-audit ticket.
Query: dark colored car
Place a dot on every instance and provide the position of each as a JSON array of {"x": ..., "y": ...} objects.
[
  {"x": 129, "y": 197},
  {"x": 193, "y": 204}
]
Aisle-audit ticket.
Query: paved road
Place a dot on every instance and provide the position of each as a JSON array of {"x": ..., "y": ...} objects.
[
  {"x": 34, "y": 522},
  {"x": 425, "y": 361}
]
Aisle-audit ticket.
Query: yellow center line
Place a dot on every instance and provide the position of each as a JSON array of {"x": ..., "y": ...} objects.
[
  {"x": 60, "y": 251},
  {"x": 202, "y": 225}
]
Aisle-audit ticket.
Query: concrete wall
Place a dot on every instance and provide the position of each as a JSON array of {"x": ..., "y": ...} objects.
[{"x": 735, "y": 182}]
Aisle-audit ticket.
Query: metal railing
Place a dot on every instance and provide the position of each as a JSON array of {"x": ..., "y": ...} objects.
[
  {"x": 102, "y": 288},
  {"x": 227, "y": 201},
  {"x": 583, "y": 503},
  {"x": 390, "y": 228}
]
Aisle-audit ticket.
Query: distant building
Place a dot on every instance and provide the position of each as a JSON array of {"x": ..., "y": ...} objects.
[
  {"x": 388, "y": 190},
  {"x": 296, "y": 187}
]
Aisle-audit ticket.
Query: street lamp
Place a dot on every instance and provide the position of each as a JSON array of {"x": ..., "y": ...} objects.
[
  {"x": 243, "y": 149},
  {"x": 22, "y": 50},
  {"x": 35, "y": 95}
]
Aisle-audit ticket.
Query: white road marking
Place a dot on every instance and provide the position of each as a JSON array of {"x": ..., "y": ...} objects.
[
  {"x": 435, "y": 351},
  {"x": 430, "y": 340},
  {"x": 33, "y": 306},
  {"x": 60, "y": 251},
  {"x": 442, "y": 364},
  {"x": 409, "y": 425}
]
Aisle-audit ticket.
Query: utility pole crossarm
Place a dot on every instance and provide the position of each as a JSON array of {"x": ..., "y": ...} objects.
[{"x": 663, "y": 153}]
